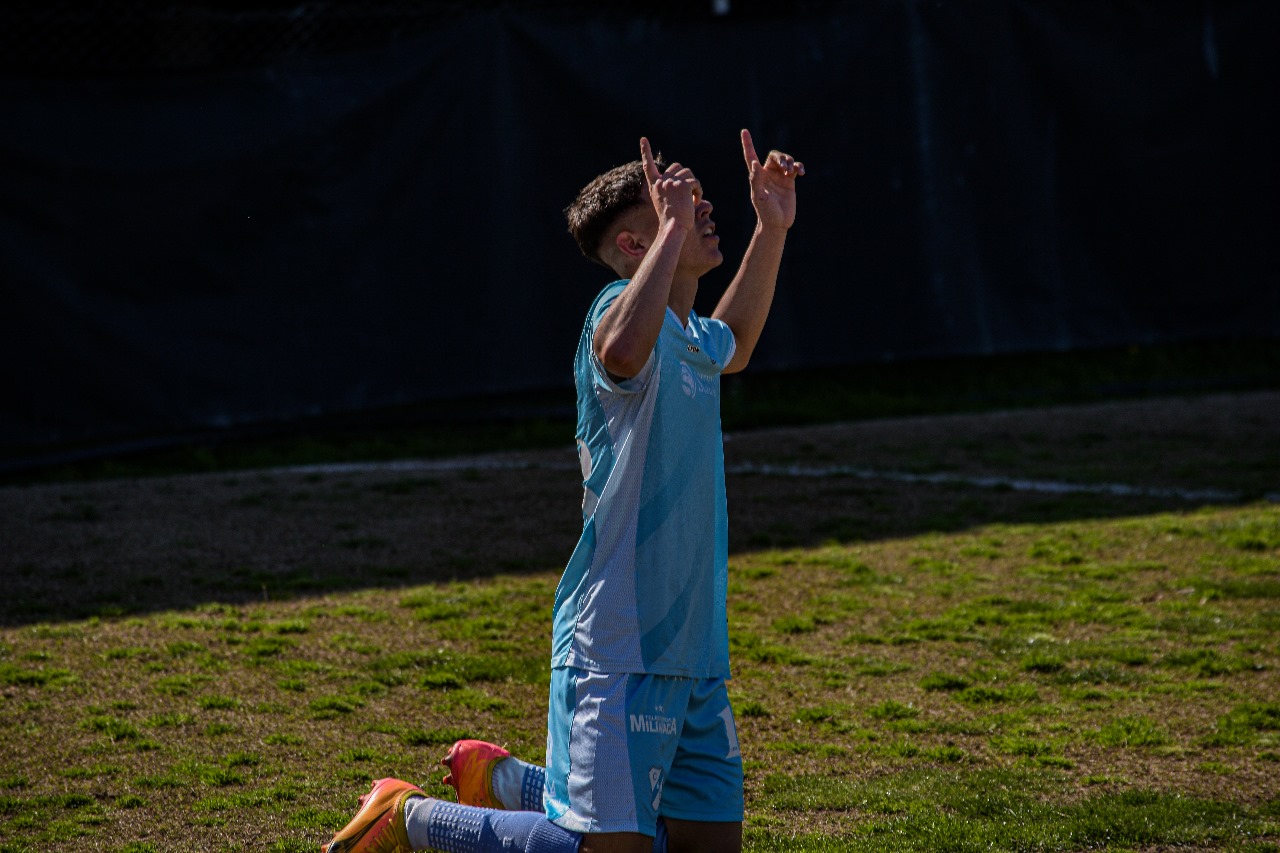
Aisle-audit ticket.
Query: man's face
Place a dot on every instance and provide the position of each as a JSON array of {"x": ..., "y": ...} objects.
[
  {"x": 702, "y": 246},
  {"x": 701, "y": 250}
]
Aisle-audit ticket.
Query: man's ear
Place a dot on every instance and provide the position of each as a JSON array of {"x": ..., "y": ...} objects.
[{"x": 631, "y": 244}]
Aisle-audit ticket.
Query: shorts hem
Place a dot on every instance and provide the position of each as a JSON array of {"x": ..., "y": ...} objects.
[{"x": 596, "y": 828}]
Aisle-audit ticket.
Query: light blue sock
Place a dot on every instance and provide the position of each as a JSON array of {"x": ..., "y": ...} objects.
[
  {"x": 452, "y": 828},
  {"x": 533, "y": 783},
  {"x": 518, "y": 785}
]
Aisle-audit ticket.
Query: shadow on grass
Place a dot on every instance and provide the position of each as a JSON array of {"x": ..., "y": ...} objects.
[
  {"x": 119, "y": 549},
  {"x": 845, "y": 512},
  {"x": 115, "y": 547}
]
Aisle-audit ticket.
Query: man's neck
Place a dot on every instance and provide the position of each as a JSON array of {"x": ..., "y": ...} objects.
[{"x": 683, "y": 291}]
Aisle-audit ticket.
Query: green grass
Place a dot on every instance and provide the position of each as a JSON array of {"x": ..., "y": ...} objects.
[
  {"x": 1104, "y": 684},
  {"x": 993, "y": 809}
]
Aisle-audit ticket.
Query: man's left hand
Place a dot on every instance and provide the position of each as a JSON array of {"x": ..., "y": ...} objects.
[{"x": 773, "y": 184}]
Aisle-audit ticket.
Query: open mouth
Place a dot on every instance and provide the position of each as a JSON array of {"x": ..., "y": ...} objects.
[{"x": 710, "y": 230}]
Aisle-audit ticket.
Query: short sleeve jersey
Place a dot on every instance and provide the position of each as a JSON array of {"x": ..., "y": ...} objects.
[{"x": 645, "y": 588}]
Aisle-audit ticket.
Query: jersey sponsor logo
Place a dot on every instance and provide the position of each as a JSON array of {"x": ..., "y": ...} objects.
[
  {"x": 693, "y": 384},
  {"x": 653, "y": 724}
]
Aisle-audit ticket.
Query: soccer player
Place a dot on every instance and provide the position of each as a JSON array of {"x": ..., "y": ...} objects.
[{"x": 642, "y": 750}]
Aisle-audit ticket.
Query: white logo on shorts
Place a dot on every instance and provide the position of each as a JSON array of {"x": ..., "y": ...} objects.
[
  {"x": 653, "y": 724},
  {"x": 731, "y": 732}
]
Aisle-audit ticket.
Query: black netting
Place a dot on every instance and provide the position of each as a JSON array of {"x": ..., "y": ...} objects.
[
  {"x": 246, "y": 213},
  {"x": 59, "y": 37}
]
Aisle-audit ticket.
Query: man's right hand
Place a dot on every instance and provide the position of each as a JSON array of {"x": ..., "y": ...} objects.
[
  {"x": 625, "y": 336},
  {"x": 674, "y": 192}
]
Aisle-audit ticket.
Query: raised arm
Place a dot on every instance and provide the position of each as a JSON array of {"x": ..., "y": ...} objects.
[
  {"x": 745, "y": 304},
  {"x": 627, "y": 333}
]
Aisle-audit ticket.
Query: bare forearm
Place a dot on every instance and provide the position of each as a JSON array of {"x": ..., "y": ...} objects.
[
  {"x": 629, "y": 329},
  {"x": 746, "y": 303}
]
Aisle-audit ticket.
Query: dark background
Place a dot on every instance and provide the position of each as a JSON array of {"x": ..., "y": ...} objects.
[{"x": 213, "y": 216}]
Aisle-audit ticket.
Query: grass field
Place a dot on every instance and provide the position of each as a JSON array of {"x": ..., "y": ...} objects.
[{"x": 918, "y": 665}]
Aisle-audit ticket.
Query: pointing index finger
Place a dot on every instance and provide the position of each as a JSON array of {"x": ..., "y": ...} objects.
[
  {"x": 651, "y": 173},
  {"x": 749, "y": 150}
]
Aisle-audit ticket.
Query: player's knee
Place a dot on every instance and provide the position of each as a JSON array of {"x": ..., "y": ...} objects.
[
  {"x": 687, "y": 836},
  {"x": 616, "y": 842}
]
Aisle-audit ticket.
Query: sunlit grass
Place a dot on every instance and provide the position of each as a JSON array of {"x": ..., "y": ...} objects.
[{"x": 1104, "y": 684}]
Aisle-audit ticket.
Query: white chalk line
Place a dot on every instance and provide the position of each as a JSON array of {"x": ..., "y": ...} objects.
[
  {"x": 1054, "y": 487},
  {"x": 1016, "y": 484}
]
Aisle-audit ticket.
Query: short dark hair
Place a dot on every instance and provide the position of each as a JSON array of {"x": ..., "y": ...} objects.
[{"x": 602, "y": 201}]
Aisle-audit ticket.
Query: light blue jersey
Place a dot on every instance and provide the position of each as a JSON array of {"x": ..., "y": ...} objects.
[{"x": 644, "y": 591}]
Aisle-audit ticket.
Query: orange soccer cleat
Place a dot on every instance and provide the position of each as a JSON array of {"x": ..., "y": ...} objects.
[
  {"x": 470, "y": 764},
  {"x": 378, "y": 826}
]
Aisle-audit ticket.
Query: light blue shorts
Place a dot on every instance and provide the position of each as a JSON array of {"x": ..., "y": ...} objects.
[{"x": 626, "y": 748}]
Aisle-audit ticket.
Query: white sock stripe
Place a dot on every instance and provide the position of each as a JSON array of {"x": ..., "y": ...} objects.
[{"x": 417, "y": 819}]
